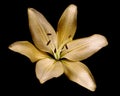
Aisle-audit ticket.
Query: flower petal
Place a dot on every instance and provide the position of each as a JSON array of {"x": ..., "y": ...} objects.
[
  {"x": 42, "y": 32},
  {"x": 79, "y": 73},
  {"x": 67, "y": 24},
  {"x": 81, "y": 49},
  {"x": 27, "y": 49},
  {"x": 47, "y": 69}
]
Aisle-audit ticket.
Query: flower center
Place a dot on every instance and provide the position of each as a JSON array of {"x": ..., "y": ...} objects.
[
  {"x": 63, "y": 47},
  {"x": 57, "y": 54}
]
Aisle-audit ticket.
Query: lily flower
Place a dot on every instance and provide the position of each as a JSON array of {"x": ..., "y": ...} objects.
[{"x": 56, "y": 53}]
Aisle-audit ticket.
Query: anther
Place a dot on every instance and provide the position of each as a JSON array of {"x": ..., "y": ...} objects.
[
  {"x": 55, "y": 50},
  {"x": 66, "y": 46},
  {"x": 63, "y": 47},
  {"x": 48, "y": 42},
  {"x": 49, "y": 34},
  {"x": 69, "y": 36},
  {"x": 60, "y": 52}
]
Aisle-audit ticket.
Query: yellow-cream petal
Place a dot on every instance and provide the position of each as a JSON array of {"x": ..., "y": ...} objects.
[
  {"x": 81, "y": 49},
  {"x": 27, "y": 49},
  {"x": 42, "y": 32},
  {"x": 67, "y": 24},
  {"x": 79, "y": 73},
  {"x": 47, "y": 69}
]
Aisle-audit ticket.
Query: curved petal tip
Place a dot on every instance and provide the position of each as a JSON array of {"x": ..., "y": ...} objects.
[
  {"x": 100, "y": 39},
  {"x": 92, "y": 87},
  {"x": 72, "y": 7}
]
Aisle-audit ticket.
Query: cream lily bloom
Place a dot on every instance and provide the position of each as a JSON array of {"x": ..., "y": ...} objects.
[{"x": 56, "y": 53}]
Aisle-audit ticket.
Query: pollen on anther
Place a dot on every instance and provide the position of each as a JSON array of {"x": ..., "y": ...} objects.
[
  {"x": 69, "y": 36},
  {"x": 66, "y": 46},
  {"x": 60, "y": 52},
  {"x": 48, "y": 42},
  {"x": 49, "y": 34},
  {"x": 55, "y": 50},
  {"x": 63, "y": 47}
]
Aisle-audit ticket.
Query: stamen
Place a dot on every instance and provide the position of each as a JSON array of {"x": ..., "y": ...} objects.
[
  {"x": 66, "y": 46},
  {"x": 48, "y": 42},
  {"x": 49, "y": 34}
]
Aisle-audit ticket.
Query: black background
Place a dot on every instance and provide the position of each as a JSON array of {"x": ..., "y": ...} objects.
[{"x": 18, "y": 76}]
